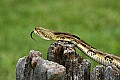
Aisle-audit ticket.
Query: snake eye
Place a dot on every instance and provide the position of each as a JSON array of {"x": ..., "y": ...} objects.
[{"x": 45, "y": 35}]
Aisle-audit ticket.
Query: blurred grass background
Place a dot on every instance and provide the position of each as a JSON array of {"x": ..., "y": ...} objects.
[{"x": 95, "y": 21}]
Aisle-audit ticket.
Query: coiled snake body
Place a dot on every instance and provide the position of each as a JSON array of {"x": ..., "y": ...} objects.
[{"x": 98, "y": 56}]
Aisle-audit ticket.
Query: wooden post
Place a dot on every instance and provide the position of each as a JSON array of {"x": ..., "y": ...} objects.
[
  {"x": 33, "y": 67},
  {"x": 64, "y": 53},
  {"x": 105, "y": 73},
  {"x": 63, "y": 63}
]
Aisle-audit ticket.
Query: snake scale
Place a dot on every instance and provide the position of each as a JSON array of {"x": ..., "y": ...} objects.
[{"x": 98, "y": 56}]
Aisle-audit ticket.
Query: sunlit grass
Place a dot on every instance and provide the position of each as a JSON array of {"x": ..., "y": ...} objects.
[{"x": 96, "y": 22}]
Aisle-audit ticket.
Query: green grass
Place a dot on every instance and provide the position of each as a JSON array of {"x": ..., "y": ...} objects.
[{"x": 96, "y": 21}]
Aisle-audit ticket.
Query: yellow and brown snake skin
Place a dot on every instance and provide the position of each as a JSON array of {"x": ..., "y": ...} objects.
[{"x": 98, "y": 56}]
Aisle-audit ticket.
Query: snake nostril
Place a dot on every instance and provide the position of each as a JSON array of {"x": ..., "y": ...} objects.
[{"x": 35, "y": 28}]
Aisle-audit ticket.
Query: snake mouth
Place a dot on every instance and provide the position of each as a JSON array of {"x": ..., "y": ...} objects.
[
  {"x": 36, "y": 32},
  {"x": 31, "y": 35}
]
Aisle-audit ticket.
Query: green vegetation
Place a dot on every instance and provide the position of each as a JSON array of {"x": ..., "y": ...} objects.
[{"x": 95, "y": 21}]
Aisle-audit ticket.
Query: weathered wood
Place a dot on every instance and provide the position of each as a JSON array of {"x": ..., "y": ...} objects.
[
  {"x": 97, "y": 73},
  {"x": 111, "y": 73},
  {"x": 33, "y": 67},
  {"x": 105, "y": 73},
  {"x": 65, "y": 54},
  {"x": 64, "y": 64}
]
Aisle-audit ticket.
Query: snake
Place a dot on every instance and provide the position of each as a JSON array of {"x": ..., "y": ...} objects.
[{"x": 96, "y": 55}]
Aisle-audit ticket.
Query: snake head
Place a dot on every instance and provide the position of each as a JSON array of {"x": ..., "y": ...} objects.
[{"x": 44, "y": 33}]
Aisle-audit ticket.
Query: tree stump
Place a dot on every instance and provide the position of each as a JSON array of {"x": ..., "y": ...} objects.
[
  {"x": 63, "y": 63},
  {"x": 33, "y": 67},
  {"x": 64, "y": 53}
]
